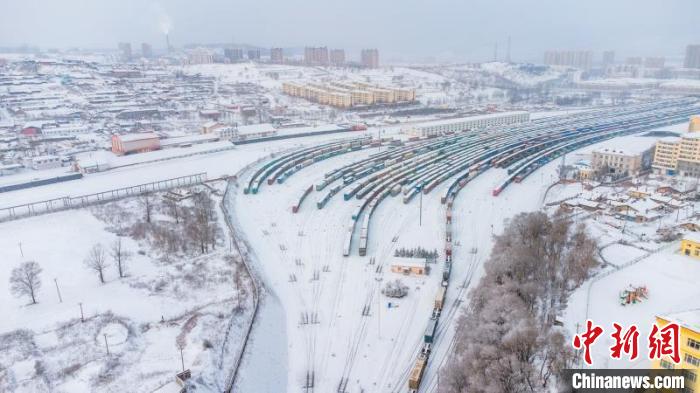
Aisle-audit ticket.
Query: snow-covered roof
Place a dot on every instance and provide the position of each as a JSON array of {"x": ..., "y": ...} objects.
[
  {"x": 689, "y": 319},
  {"x": 627, "y": 146},
  {"x": 692, "y": 236},
  {"x": 256, "y": 128},
  {"x": 470, "y": 118},
  {"x": 138, "y": 137},
  {"x": 408, "y": 261}
]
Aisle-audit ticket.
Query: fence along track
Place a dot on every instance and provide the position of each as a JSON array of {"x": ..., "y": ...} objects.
[
  {"x": 231, "y": 380},
  {"x": 65, "y": 203}
]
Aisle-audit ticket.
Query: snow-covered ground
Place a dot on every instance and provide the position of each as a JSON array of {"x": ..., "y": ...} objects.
[{"x": 161, "y": 305}]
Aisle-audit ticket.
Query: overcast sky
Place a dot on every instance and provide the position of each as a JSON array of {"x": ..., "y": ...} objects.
[{"x": 414, "y": 29}]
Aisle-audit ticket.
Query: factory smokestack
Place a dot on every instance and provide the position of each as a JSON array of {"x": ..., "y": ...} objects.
[{"x": 167, "y": 43}]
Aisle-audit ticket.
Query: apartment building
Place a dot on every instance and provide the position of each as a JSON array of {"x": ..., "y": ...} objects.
[
  {"x": 337, "y": 57},
  {"x": 276, "y": 56},
  {"x": 370, "y": 58},
  {"x": 345, "y": 94},
  {"x": 692, "y": 56},
  {"x": 569, "y": 58},
  {"x": 316, "y": 56},
  {"x": 680, "y": 156}
]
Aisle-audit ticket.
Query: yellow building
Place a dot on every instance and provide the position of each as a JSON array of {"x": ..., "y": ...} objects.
[
  {"x": 690, "y": 245},
  {"x": 348, "y": 94},
  {"x": 694, "y": 124},
  {"x": 407, "y": 266},
  {"x": 689, "y": 322},
  {"x": 678, "y": 156}
]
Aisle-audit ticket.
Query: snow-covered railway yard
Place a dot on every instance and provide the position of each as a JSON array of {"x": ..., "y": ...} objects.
[
  {"x": 373, "y": 352},
  {"x": 340, "y": 335},
  {"x": 324, "y": 323}
]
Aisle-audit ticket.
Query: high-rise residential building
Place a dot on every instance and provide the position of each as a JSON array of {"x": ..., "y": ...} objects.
[
  {"x": 125, "y": 51},
  {"x": 608, "y": 57},
  {"x": 201, "y": 56},
  {"x": 634, "y": 60},
  {"x": 254, "y": 54},
  {"x": 316, "y": 55},
  {"x": 579, "y": 59},
  {"x": 654, "y": 62},
  {"x": 276, "y": 56},
  {"x": 692, "y": 56},
  {"x": 370, "y": 58},
  {"x": 233, "y": 54},
  {"x": 146, "y": 50},
  {"x": 337, "y": 57}
]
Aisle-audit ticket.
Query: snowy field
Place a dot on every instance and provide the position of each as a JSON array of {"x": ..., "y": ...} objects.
[{"x": 163, "y": 303}]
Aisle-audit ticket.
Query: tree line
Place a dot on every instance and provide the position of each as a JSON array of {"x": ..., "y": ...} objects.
[{"x": 508, "y": 339}]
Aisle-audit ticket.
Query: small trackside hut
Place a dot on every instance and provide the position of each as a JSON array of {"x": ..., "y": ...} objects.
[{"x": 409, "y": 266}]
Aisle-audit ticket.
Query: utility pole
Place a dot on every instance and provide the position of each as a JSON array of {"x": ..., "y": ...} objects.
[
  {"x": 379, "y": 313},
  {"x": 420, "y": 213},
  {"x": 82, "y": 317},
  {"x": 58, "y": 291},
  {"x": 508, "y": 51},
  {"x": 106, "y": 345},
  {"x": 20, "y": 249}
]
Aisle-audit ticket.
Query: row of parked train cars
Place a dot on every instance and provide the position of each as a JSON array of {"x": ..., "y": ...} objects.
[{"x": 420, "y": 166}]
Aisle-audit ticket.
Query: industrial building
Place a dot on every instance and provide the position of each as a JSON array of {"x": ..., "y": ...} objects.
[
  {"x": 448, "y": 126},
  {"x": 135, "y": 143}
]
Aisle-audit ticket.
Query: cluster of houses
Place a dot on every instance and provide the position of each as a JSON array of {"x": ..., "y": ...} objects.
[
  {"x": 634, "y": 202},
  {"x": 53, "y": 109}
]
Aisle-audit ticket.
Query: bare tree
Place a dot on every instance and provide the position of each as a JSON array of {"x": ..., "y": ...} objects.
[
  {"x": 96, "y": 261},
  {"x": 146, "y": 200},
  {"x": 25, "y": 280},
  {"x": 120, "y": 256},
  {"x": 173, "y": 209},
  {"x": 238, "y": 280}
]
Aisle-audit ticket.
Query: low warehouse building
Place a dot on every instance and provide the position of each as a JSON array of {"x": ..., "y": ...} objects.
[
  {"x": 405, "y": 265},
  {"x": 135, "y": 143}
]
